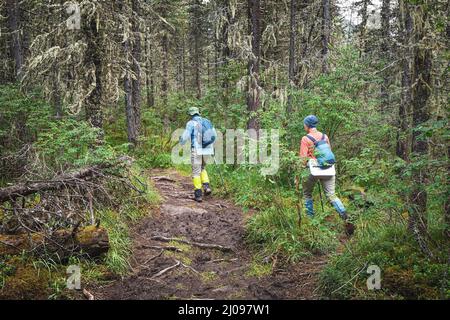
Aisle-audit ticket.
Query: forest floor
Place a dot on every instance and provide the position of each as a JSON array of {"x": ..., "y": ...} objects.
[{"x": 196, "y": 272}]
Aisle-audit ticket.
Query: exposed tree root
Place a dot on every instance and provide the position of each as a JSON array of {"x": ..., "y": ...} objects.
[
  {"x": 166, "y": 270},
  {"x": 196, "y": 244}
]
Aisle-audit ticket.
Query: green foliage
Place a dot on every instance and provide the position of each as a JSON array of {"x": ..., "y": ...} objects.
[
  {"x": 22, "y": 116},
  {"x": 273, "y": 225},
  {"x": 406, "y": 273},
  {"x": 72, "y": 143},
  {"x": 119, "y": 240},
  {"x": 276, "y": 230}
]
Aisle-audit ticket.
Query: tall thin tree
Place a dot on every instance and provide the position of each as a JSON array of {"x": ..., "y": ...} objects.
[
  {"x": 13, "y": 11},
  {"x": 254, "y": 90},
  {"x": 385, "y": 51},
  {"x": 421, "y": 91},
  {"x": 292, "y": 63},
  {"x": 326, "y": 31}
]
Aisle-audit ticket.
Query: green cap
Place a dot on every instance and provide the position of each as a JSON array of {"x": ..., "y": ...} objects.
[{"x": 193, "y": 111}]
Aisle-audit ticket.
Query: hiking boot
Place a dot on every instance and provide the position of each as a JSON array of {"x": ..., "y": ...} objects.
[
  {"x": 349, "y": 228},
  {"x": 198, "y": 195},
  {"x": 207, "y": 189},
  {"x": 309, "y": 204}
]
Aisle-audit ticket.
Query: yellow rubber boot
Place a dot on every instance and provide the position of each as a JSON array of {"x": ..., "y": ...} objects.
[
  {"x": 197, "y": 181},
  {"x": 204, "y": 176},
  {"x": 198, "y": 189}
]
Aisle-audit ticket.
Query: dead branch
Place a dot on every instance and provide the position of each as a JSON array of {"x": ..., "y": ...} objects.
[
  {"x": 166, "y": 270},
  {"x": 196, "y": 244},
  {"x": 221, "y": 260},
  {"x": 190, "y": 268},
  {"x": 169, "y": 248},
  {"x": 163, "y": 178},
  {"x": 153, "y": 258},
  {"x": 58, "y": 182},
  {"x": 88, "y": 295}
]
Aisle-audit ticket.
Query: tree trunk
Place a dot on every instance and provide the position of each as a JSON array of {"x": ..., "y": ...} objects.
[
  {"x": 302, "y": 72},
  {"x": 91, "y": 241},
  {"x": 13, "y": 11},
  {"x": 362, "y": 27},
  {"x": 150, "y": 81},
  {"x": 197, "y": 67},
  {"x": 196, "y": 34},
  {"x": 326, "y": 31},
  {"x": 385, "y": 52},
  {"x": 292, "y": 64},
  {"x": 183, "y": 62},
  {"x": 405, "y": 19},
  {"x": 253, "y": 94},
  {"x": 165, "y": 77},
  {"x": 93, "y": 57},
  {"x": 417, "y": 223},
  {"x": 136, "y": 67},
  {"x": 127, "y": 83},
  {"x": 56, "y": 94}
]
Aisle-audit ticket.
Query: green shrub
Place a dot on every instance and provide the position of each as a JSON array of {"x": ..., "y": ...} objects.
[
  {"x": 406, "y": 273},
  {"x": 71, "y": 142}
]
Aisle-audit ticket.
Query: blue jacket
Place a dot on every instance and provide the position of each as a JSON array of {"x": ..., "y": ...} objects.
[{"x": 193, "y": 129}]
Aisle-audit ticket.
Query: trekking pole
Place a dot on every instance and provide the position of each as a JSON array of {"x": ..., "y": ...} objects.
[
  {"x": 320, "y": 195},
  {"x": 299, "y": 199},
  {"x": 220, "y": 174}
]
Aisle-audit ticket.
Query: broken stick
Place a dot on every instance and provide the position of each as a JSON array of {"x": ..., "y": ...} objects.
[
  {"x": 169, "y": 248},
  {"x": 88, "y": 295},
  {"x": 166, "y": 270},
  {"x": 196, "y": 244}
]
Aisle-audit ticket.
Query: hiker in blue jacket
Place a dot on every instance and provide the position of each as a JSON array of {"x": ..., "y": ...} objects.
[{"x": 195, "y": 131}]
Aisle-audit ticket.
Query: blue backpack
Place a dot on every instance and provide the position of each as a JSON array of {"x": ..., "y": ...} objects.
[
  {"x": 208, "y": 133},
  {"x": 322, "y": 151}
]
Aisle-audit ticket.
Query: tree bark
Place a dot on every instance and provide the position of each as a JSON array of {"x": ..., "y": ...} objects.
[
  {"x": 362, "y": 27},
  {"x": 417, "y": 223},
  {"x": 13, "y": 11},
  {"x": 165, "y": 77},
  {"x": 292, "y": 63},
  {"x": 93, "y": 57},
  {"x": 302, "y": 76},
  {"x": 253, "y": 94},
  {"x": 405, "y": 20},
  {"x": 196, "y": 34},
  {"x": 136, "y": 67},
  {"x": 127, "y": 82},
  {"x": 150, "y": 81},
  {"x": 326, "y": 31},
  {"x": 385, "y": 52}
]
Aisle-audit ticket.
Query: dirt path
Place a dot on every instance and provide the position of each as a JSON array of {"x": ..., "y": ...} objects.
[{"x": 194, "y": 272}]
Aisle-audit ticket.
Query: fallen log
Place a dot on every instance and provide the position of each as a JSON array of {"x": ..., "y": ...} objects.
[
  {"x": 29, "y": 187},
  {"x": 90, "y": 241}
]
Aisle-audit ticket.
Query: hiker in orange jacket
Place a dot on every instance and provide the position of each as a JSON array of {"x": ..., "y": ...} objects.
[{"x": 308, "y": 145}]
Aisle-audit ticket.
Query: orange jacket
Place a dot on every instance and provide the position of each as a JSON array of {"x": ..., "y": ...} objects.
[{"x": 307, "y": 146}]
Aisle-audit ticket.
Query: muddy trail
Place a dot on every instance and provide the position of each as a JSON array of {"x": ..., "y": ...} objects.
[{"x": 189, "y": 250}]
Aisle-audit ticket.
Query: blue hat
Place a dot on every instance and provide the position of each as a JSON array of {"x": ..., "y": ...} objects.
[{"x": 311, "y": 121}]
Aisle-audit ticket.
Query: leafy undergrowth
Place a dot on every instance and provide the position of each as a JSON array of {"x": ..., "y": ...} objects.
[
  {"x": 272, "y": 227},
  {"x": 406, "y": 272}
]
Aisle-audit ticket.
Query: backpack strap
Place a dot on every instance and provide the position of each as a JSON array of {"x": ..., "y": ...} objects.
[
  {"x": 199, "y": 120},
  {"x": 311, "y": 138}
]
